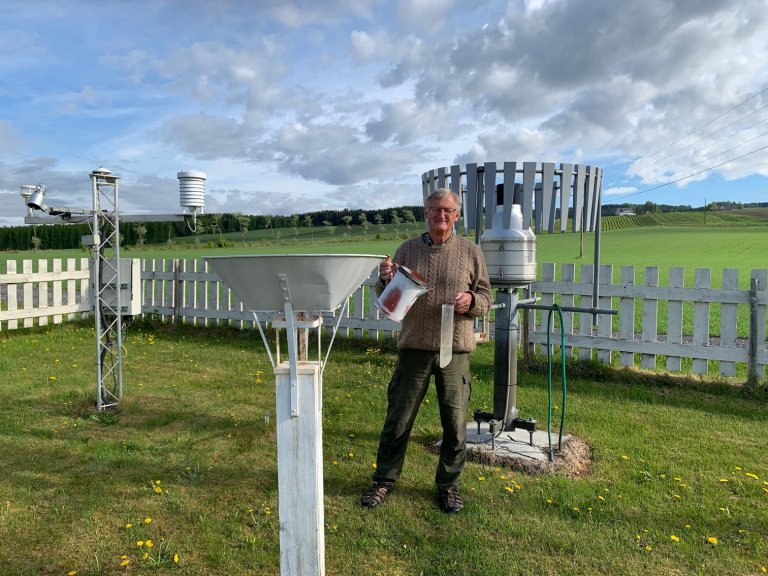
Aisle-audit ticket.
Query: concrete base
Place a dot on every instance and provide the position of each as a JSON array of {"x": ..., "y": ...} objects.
[{"x": 518, "y": 447}]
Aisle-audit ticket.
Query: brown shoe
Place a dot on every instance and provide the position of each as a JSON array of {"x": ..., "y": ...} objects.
[
  {"x": 450, "y": 501},
  {"x": 375, "y": 495}
]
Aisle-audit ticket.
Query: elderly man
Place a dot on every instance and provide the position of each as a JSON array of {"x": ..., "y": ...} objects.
[{"x": 455, "y": 271}]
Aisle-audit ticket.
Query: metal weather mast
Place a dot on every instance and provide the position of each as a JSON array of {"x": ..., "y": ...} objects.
[{"x": 115, "y": 282}]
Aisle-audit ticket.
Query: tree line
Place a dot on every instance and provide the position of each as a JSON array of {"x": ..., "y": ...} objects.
[{"x": 68, "y": 236}]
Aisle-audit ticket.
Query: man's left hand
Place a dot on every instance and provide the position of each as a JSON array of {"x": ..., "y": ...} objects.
[{"x": 462, "y": 303}]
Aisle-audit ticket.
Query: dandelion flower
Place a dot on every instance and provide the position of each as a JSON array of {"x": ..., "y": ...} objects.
[
  {"x": 129, "y": 525},
  {"x": 481, "y": 478},
  {"x": 674, "y": 538},
  {"x": 150, "y": 544},
  {"x": 176, "y": 558},
  {"x": 751, "y": 475},
  {"x": 158, "y": 490},
  {"x": 125, "y": 562},
  {"x": 624, "y": 457},
  {"x": 140, "y": 543},
  {"x": 712, "y": 540},
  {"x": 72, "y": 573},
  {"x": 374, "y": 466},
  {"x": 147, "y": 520},
  {"x": 145, "y": 556},
  {"x": 601, "y": 498},
  {"x": 648, "y": 547}
]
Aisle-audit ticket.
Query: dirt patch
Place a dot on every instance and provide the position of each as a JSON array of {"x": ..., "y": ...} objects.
[{"x": 573, "y": 460}]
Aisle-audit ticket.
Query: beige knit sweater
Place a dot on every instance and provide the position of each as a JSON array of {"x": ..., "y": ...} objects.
[{"x": 457, "y": 265}]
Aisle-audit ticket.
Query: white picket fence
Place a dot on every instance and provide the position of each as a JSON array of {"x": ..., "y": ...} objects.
[{"x": 659, "y": 324}]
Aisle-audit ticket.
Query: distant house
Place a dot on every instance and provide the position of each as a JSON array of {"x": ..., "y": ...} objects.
[{"x": 624, "y": 212}]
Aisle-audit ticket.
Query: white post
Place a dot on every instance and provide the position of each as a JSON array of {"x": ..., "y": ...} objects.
[{"x": 300, "y": 470}]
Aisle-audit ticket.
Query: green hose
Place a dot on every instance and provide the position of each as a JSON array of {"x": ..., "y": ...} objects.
[{"x": 549, "y": 379}]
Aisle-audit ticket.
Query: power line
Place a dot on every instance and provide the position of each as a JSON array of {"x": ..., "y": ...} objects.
[
  {"x": 674, "y": 158},
  {"x": 705, "y": 124},
  {"x": 690, "y": 175}
]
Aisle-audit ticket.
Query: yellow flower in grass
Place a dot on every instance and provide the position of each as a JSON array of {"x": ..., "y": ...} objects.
[
  {"x": 150, "y": 544},
  {"x": 72, "y": 573},
  {"x": 140, "y": 543},
  {"x": 147, "y": 520},
  {"x": 712, "y": 540},
  {"x": 176, "y": 558},
  {"x": 674, "y": 538}
]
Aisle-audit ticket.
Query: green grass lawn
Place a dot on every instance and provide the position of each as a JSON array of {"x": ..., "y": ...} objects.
[{"x": 678, "y": 482}]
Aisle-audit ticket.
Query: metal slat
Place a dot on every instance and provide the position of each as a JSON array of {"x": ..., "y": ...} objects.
[
  {"x": 490, "y": 193},
  {"x": 510, "y": 173},
  {"x": 456, "y": 179},
  {"x": 597, "y": 195},
  {"x": 471, "y": 209},
  {"x": 441, "y": 177},
  {"x": 548, "y": 196},
  {"x": 566, "y": 177},
  {"x": 578, "y": 197},
  {"x": 529, "y": 181},
  {"x": 589, "y": 200}
]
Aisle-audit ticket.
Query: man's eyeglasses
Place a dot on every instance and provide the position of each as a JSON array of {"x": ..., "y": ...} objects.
[{"x": 446, "y": 211}]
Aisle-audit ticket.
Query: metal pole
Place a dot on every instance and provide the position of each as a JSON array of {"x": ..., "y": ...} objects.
[
  {"x": 95, "y": 298},
  {"x": 505, "y": 357}
]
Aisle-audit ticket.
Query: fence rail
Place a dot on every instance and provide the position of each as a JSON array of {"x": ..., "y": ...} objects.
[{"x": 659, "y": 325}]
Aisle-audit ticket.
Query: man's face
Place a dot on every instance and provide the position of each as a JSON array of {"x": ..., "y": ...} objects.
[{"x": 441, "y": 214}]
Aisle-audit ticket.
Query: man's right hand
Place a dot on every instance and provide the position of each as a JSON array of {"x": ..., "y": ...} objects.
[{"x": 387, "y": 269}]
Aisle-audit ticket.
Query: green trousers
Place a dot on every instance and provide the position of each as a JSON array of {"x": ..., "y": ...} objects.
[{"x": 405, "y": 394}]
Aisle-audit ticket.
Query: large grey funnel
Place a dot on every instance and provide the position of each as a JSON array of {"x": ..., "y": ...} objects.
[{"x": 316, "y": 282}]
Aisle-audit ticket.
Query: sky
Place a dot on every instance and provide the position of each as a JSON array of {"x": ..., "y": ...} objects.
[{"x": 305, "y": 105}]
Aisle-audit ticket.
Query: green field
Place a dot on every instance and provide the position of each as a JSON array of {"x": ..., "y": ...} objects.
[{"x": 724, "y": 240}]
